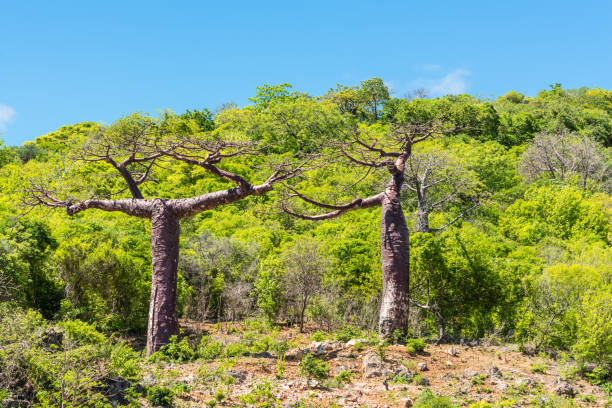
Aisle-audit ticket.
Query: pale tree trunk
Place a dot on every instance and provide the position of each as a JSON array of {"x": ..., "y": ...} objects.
[
  {"x": 422, "y": 219},
  {"x": 395, "y": 257},
  {"x": 163, "y": 319}
]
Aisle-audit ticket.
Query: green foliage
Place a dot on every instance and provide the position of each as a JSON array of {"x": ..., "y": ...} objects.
[
  {"x": 177, "y": 350},
  {"x": 312, "y": 367},
  {"x": 347, "y": 333},
  {"x": 125, "y": 362},
  {"x": 160, "y": 396},
  {"x": 415, "y": 345},
  {"x": 262, "y": 395},
  {"x": 428, "y": 399},
  {"x": 209, "y": 349},
  {"x": 82, "y": 333}
]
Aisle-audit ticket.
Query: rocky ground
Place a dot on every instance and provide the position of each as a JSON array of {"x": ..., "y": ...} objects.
[{"x": 378, "y": 377}]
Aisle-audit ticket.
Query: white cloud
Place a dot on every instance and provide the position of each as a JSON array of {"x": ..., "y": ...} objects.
[
  {"x": 6, "y": 115},
  {"x": 454, "y": 82}
]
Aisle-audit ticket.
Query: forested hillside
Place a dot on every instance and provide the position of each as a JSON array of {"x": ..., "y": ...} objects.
[{"x": 507, "y": 206}]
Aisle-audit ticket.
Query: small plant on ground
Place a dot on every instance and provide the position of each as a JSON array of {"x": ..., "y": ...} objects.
[
  {"x": 359, "y": 347},
  {"x": 381, "y": 349},
  {"x": 347, "y": 333},
  {"x": 318, "y": 336},
  {"x": 539, "y": 368},
  {"x": 160, "y": 396},
  {"x": 400, "y": 379},
  {"x": 261, "y": 395},
  {"x": 419, "y": 379},
  {"x": 209, "y": 349},
  {"x": 429, "y": 399},
  {"x": 478, "y": 379},
  {"x": 176, "y": 351},
  {"x": 343, "y": 377},
  {"x": 415, "y": 345},
  {"x": 312, "y": 367}
]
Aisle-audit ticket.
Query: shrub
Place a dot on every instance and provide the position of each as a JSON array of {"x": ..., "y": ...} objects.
[
  {"x": 428, "y": 399},
  {"x": 82, "y": 333},
  {"x": 347, "y": 333},
  {"x": 260, "y": 396},
  {"x": 415, "y": 345},
  {"x": 318, "y": 336},
  {"x": 176, "y": 351},
  {"x": 312, "y": 367},
  {"x": 235, "y": 350},
  {"x": 160, "y": 396},
  {"x": 125, "y": 362},
  {"x": 209, "y": 349},
  {"x": 539, "y": 368}
]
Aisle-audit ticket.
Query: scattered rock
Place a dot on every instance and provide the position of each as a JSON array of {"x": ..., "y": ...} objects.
[
  {"x": 452, "y": 351},
  {"x": 297, "y": 354},
  {"x": 561, "y": 387},
  {"x": 448, "y": 364},
  {"x": 469, "y": 374},
  {"x": 352, "y": 342},
  {"x": 149, "y": 380},
  {"x": 501, "y": 385},
  {"x": 422, "y": 366},
  {"x": 313, "y": 383},
  {"x": 372, "y": 365},
  {"x": 402, "y": 371},
  {"x": 530, "y": 382},
  {"x": 465, "y": 387},
  {"x": 386, "y": 373},
  {"x": 407, "y": 403},
  {"x": 239, "y": 375},
  {"x": 494, "y": 372}
]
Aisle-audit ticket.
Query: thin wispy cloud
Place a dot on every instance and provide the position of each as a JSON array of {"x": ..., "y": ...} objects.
[
  {"x": 455, "y": 82},
  {"x": 6, "y": 116}
]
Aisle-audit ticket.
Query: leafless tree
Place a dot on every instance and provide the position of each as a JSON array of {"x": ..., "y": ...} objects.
[
  {"x": 305, "y": 266},
  {"x": 438, "y": 182},
  {"x": 134, "y": 147},
  {"x": 562, "y": 155},
  {"x": 390, "y": 154}
]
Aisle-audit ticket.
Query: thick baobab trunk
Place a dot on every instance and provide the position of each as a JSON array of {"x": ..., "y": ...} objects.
[
  {"x": 395, "y": 257},
  {"x": 163, "y": 319}
]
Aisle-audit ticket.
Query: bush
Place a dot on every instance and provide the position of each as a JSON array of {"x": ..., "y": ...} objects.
[
  {"x": 125, "y": 362},
  {"x": 209, "y": 349},
  {"x": 312, "y": 367},
  {"x": 160, "y": 396},
  {"x": 415, "y": 345},
  {"x": 176, "y": 351},
  {"x": 82, "y": 333},
  {"x": 347, "y": 333},
  {"x": 428, "y": 399},
  {"x": 318, "y": 336}
]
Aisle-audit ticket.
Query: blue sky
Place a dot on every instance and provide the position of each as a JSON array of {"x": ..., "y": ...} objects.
[{"x": 63, "y": 62}]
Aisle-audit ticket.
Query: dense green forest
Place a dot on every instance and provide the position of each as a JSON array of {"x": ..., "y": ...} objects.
[{"x": 508, "y": 206}]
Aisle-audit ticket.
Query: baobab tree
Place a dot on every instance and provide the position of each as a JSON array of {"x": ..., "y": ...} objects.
[
  {"x": 439, "y": 182},
  {"x": 134, "y": 147},
  {"x": 390, "y": 153}
]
